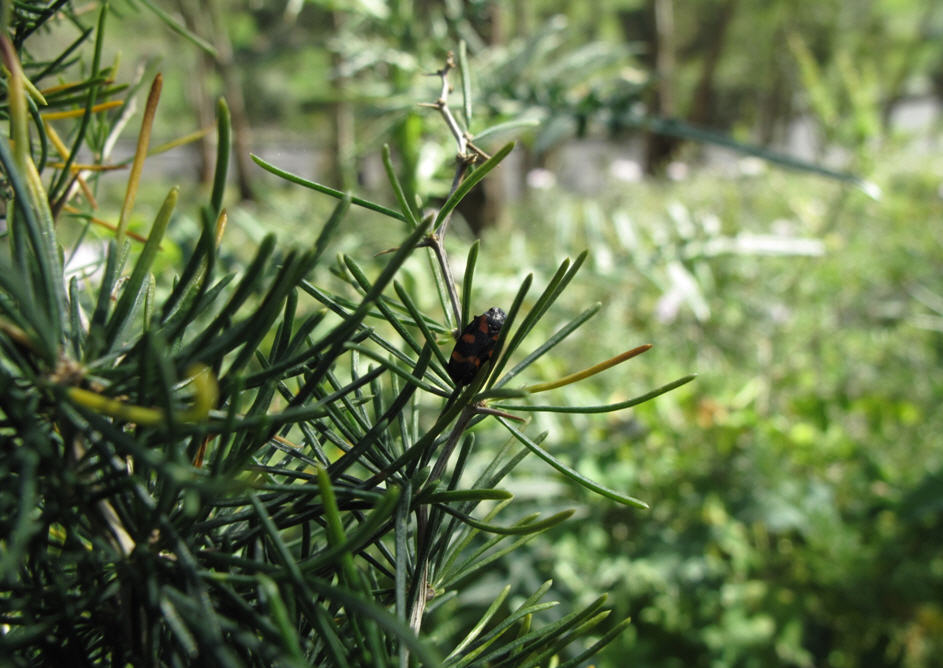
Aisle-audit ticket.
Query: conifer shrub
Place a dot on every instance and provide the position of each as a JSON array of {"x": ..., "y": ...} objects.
[{"x": 249, "y": 468}]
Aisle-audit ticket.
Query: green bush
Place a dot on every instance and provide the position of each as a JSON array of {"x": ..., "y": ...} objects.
[
  {"x": 246, "y": 467},
  {"x": 795, "y": 487}
]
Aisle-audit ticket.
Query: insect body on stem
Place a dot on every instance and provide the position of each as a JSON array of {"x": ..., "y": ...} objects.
[{"x": 475, "y": 346}]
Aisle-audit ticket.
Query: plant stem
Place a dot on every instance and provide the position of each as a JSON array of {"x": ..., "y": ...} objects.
[{"x": 436, "y": 243}]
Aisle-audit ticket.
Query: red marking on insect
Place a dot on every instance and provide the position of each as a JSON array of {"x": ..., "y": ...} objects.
[{"x": 475, "y": 346}]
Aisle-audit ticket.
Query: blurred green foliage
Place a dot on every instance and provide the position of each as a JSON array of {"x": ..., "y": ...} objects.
[{"x": 797, "y": 486}]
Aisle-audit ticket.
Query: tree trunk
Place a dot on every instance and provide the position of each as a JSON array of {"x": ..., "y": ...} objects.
[
  {"x": 912, "y": 53},
  {"x": 200, "y": 96},
  {"x": 485, "y": 204},
  {"x": 232, "y": 89},
  {"x": 659, "y": 148},
  {"x": 702, "y": 104},
  {"x": 657, "y": 24},
  {"x": 210, "y": 23},
  {"x": 343, "y": 146}
]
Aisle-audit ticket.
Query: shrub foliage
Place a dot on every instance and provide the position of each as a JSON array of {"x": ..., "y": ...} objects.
[{"x": 249, "y": 468}]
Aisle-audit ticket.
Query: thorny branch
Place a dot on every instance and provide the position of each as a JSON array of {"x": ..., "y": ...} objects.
[
  {"x": 467, "y": 155},
  {"x": 467, "y": 151},
  {"x": 442, "y": 105}
]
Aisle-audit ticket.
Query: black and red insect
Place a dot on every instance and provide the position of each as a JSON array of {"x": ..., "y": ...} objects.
[{"x": 475, "y": 346}]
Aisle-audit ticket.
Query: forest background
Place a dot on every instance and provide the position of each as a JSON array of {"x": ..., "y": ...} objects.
[{"x": 759, "y": 187}]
